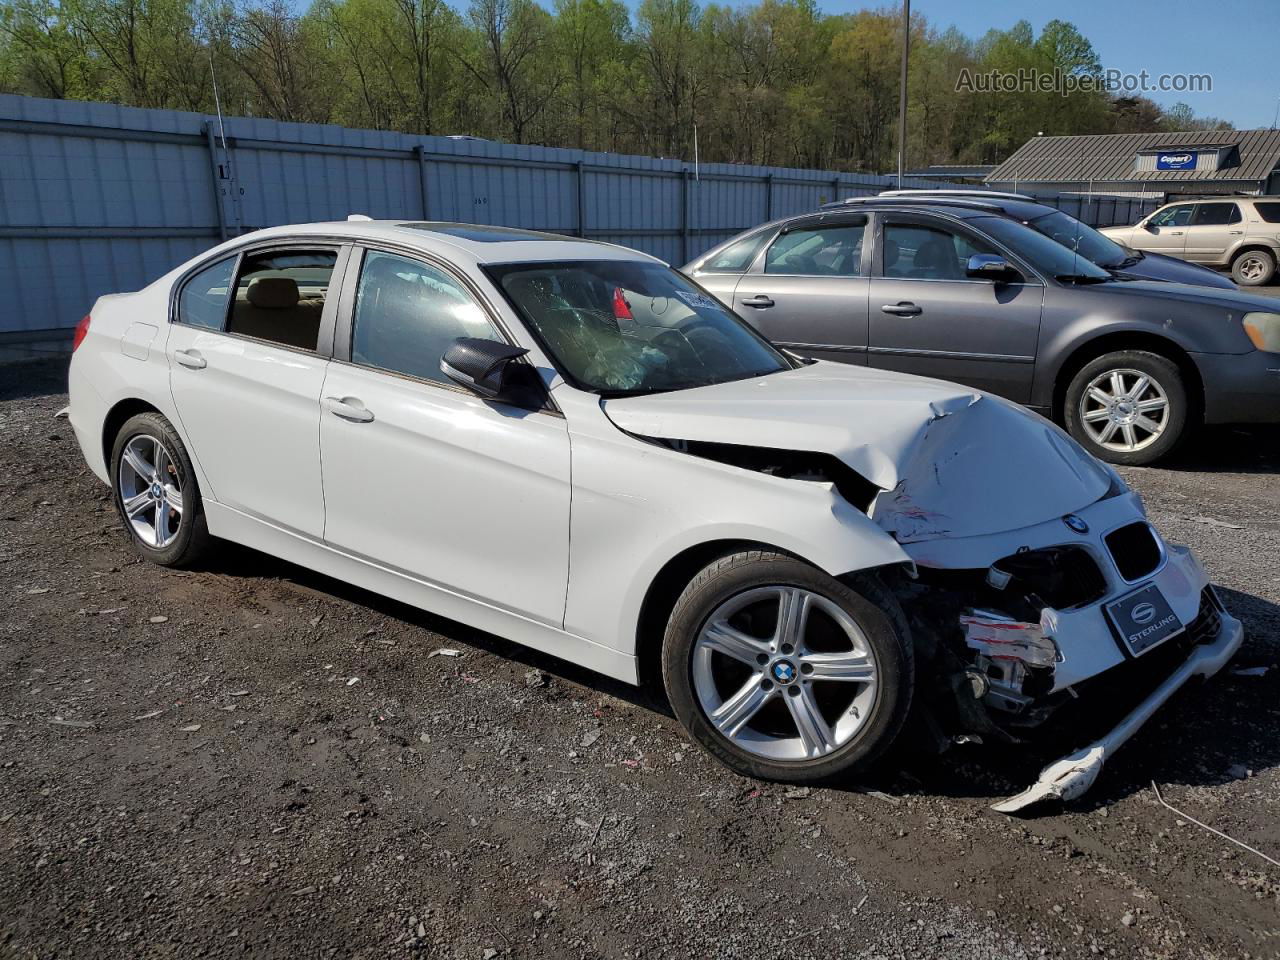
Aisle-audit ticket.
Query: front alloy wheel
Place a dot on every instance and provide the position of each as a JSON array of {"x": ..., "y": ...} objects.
[
  {"x": 785, "y": 673},
  {"x": 1128, "y": 407}
]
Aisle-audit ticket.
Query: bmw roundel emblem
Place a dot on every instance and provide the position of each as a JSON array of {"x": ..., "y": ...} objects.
[
  {"x": 783, "y": 672},
  {"x": 1076, "y": 523}
]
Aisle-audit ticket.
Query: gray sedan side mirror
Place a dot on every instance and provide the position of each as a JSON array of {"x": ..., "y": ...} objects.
[
  {"x": 989, "y": 266},
  {"x": 488, "y": 369}
]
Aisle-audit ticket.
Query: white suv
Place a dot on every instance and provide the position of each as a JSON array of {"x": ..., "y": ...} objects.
[{"x": 1239, "y": 233}]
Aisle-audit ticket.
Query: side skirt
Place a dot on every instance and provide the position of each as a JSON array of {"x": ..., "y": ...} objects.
[{"x": 233, "y": 525}]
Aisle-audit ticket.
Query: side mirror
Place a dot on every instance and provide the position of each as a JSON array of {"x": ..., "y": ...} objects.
[
  {"x": 989, "y": 266},
  {"x": 487, "y": 368},
  {"x": 1148, "y": 226}
]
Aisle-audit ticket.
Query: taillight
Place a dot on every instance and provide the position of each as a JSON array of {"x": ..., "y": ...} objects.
[
  {"x": 621, "y": 309},
  {"x": 82, "y": 329}
]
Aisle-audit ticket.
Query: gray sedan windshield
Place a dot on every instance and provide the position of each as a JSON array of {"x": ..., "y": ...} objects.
[
  {"x": 621, "y": 327},
  {"x": 1047, "y": 256},
  {"x": 1080, "y": 237}
]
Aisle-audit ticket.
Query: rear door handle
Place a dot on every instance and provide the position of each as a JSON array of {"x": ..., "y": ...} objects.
[
  {"x": 903, "y": 308},
  {"x": 348, "y": 408},
  {"x": 190, "y": 358},
  {"x": 1235, "y": 233},
  {"x": 759, "y": 302}
]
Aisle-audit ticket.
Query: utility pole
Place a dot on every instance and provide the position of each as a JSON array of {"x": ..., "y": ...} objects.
[{"x": 902, "y": 92}]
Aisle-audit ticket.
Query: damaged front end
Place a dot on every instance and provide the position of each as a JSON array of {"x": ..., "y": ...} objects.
[
  {"x": 1034, "y": 575},
  {"x": 1111, "y": 616}
]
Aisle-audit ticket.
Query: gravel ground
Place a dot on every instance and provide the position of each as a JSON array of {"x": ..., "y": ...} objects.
[{"x": 252, "y": 760}]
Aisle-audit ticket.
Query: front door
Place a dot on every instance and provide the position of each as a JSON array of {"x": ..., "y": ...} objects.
[
  {"x": 808, "y": 292},
  {"x": 1165, "y": 231},
  {"x": 928, "y": 318},
  {"x": 425, "y": 477},
  {"x": 1214, "y": 227},
  {"x": 245, "y": 368}
]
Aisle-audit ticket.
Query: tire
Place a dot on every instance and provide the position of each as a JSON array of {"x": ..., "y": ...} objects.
[
  {"x": 1124, "y": 436},
  {"x": 1253, "y": 268},
  {"x": 169, "y": 529},
  {"x": 702, "y": 681}
]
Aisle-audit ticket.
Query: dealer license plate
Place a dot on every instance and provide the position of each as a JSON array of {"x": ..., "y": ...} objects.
[{"x": 1143, "y": 619}]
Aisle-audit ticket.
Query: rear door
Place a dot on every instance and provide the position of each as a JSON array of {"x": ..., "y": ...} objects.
[
  {"x": 1214, "y": 227},
  {"x": 928, "y": 318},
  {"x": 247, "y": 354},
  {"x": 1165, "y": 231},
  {"x": 808, "y": 290}
]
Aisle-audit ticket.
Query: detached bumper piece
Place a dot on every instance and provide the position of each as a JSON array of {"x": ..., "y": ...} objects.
[{"x": 1071, "y": 776}]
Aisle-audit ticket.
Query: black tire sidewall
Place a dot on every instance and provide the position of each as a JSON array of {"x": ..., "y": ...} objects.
[
  {"x": 1159, "y": 368},
  {"x": 193, "y": 531},
  {"x": 863, "y": 597},
  {"x": 1269, "y": 258}
]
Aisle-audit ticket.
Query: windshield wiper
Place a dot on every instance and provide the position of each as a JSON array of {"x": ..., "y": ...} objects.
[{"x": 1081, "y": 278}]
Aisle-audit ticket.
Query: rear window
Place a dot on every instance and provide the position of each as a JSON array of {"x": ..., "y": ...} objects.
[
  {"x": 203, "y": 302},
  {"x": 1269, "y": 212},
  {"x": 736, "y": 257},
  {"x": 1215, "y": 214}
]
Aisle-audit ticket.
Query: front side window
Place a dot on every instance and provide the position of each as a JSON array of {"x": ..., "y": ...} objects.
[
  {"x": 1215, "y": 215},
  {"x": 916, "y": 252},
  {"x": 818, "y": 251},
  {"x": 408, "y": 314},
  {"x": 203, "y": 302},
  {"x": 1178, "y": 216},
  {"x": 629, "y": 327},
  {"x": 280, "y": 296}
]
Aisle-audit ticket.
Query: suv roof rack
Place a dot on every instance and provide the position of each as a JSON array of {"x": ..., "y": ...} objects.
[
  {"x": 970, "y": 203},
  {"x": 922, "y": 191}
]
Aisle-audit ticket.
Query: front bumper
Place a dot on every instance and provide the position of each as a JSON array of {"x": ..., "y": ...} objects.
[
  {"x": 1071, "y": 776},
  {"x": 1240, "y": 388}
]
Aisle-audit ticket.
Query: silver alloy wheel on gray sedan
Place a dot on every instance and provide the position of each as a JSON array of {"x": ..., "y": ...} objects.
[
  {"x": 1124, "y": 410},
  {"x": 150, "y": 488},
  {"x": 783, "y": 666}
]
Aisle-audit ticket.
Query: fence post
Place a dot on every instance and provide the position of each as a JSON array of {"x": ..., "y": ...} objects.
[
  {"x": 421, "y": 154},
  {"x": 768, "y": 197},
  {"x": 217, "y": 185},
  {"x": 835, "y": 189},
  {"x": 582, "y": 199},
  {"x": 684, "y": 216}
]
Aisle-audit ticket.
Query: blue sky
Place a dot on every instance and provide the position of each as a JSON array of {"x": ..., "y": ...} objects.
[{"x": 1235, "y": 41}]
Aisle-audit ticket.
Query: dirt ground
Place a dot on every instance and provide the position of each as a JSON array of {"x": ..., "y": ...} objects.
[{"x": 253, "y": 760}]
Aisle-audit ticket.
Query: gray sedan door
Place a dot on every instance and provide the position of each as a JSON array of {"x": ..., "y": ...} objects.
[
  {"x": 808, "y": 290},
  {"x": 928, "y": 318}
]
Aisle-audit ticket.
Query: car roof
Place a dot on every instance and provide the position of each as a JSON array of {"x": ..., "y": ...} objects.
[
  {"x": 953, "y": 201},
  {"x": 462, "y": 243}
]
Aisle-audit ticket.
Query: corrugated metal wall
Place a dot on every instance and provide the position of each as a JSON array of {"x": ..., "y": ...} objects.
[{"x": 97, "y": 198}]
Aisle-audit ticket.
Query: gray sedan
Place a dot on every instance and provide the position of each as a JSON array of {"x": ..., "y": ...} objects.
[{"x": 949, "y": 291}]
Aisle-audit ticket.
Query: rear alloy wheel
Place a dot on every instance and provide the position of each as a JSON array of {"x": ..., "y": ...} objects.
[
  {"x": 156, "y": 493},
  {"x": 1253, "y": 268},
  {"x": 785, "y": 673},
  {"x": 1128, "y": 407}
]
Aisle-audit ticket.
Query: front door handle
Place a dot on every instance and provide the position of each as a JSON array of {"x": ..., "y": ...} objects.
[
  {"x": 1235, "y": 233},
  {"x": 190, "y": 358},
  {"x": 1175, "y": 233},
  {"x": 760, "y": 302},
  {"x": 903, "y": 308},
  {"x": 348, "y": 408}
]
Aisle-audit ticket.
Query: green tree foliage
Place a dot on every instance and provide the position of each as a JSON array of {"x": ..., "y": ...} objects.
[{"x": 771, "y": 82}]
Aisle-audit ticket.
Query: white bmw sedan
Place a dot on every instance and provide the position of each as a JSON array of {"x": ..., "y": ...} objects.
[{"x": 572, "y": 445}]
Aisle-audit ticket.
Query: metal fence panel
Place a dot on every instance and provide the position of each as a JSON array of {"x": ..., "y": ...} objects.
[{"x": 97, "y": 198}]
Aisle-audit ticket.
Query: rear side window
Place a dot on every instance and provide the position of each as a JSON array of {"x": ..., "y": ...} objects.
[
  {"x": 736, "y": 257},
  {"x": 820, "y": 251},
  {"x": 1269, "y": 212},
  {"x": 408, "y": 314},
  {"x": 203, "y": 302},
  {"x": 1215, "y": 214},
  {"x": 280, "y": 296}
]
